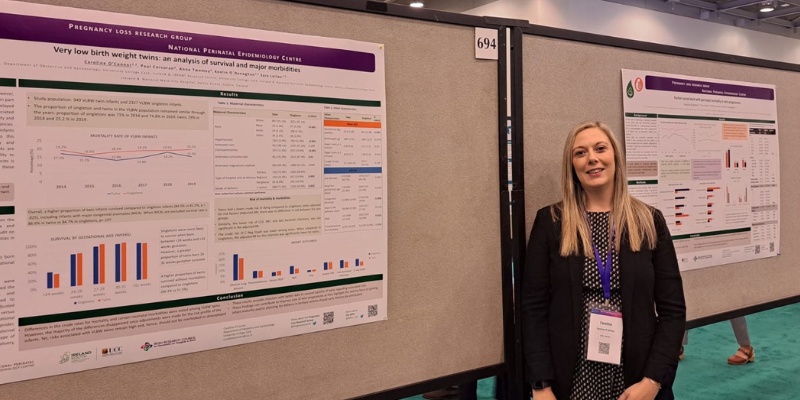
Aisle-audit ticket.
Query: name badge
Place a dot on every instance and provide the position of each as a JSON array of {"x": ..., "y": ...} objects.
[{"x": 605, "y": 336}]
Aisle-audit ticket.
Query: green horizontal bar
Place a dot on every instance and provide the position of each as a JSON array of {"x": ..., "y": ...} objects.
[
  {"x": 643, "y": 182},
  {"x": 7, "y": 210},
  {"x": 641, "y": 115},
  {"x": 102, "y": 87},
  {"x": 8, "y": 82},
  {"x": 714, "y": 233},
  {"x": 695, "y": 117},
  {"x": 105, "y": 312}
]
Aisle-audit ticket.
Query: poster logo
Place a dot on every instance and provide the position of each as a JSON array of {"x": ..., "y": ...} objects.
[
  {"x": 147, "y": 345},
  {"x": 638, "y": 84},
  {"x": 111, "y": 351},
  {"x": 629, "y": 90},
  {"x": 82, "y": 356}
]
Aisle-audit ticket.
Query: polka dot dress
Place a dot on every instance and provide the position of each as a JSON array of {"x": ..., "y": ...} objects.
[{"x": 596, "y": 380}]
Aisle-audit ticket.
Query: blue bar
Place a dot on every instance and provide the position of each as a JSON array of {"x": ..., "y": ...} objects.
[
  {"x": 235, "y": 267},
  {"x": 73, "y": 270},
  {"x": 49, "y": 280},
  {"x": 356, "y": 170},
  {"x": 273, "y": 274},
  {"x": 357, "y": 264},
  {"x": 309, "y": 271},
  {"x": 118, "y": 261},
  {"x": 325, "y": 266},
  {"x": 96, "y": 265},
  {"x": 291, "y": 270},
  {"x": 341, "y": 263},
  {"x": 138, "y": 261},
  {"x": 255, "y": 274}
]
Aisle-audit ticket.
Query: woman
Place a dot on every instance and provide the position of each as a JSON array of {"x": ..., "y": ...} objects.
[{"x": 598, "y": 253}]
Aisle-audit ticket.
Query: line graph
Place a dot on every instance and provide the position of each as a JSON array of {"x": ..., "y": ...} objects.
[
  {"x": 707, "y": 136},
  {"x": 675, "y": 139},
  {"x": 78, "y": 165},
  {"x": 128, "y": 155}
]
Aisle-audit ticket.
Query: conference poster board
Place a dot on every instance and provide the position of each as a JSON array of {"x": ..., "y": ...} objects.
[
  {"x": 705, "y": 152},
  {"x": 169, "y": 187}
]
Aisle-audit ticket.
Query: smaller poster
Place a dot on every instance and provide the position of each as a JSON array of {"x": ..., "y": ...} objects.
[{"x": 705, "y": 152}]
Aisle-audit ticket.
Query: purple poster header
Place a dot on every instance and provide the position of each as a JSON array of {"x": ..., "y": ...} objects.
[
  {"x": 712, "y": 88},
  {"x": 52, "y": 30}
]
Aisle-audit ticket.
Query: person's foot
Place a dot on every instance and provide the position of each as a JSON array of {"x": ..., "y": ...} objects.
[
  {"x": 745, "y": 354},
  {"x": 442, "y": 394},
  {"x": 680, "y": 355}
]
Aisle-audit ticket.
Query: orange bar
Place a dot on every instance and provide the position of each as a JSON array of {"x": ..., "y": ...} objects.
[
  {"x": 144, "y": 261},
  {"x": 124, "y": 262},
  {"x": 347, "y": 264},
  {"x": 279, "y": 273},
  {"x": 260, "y": 274},
  {"x": 102, "y": 263},
  {"x": 362, "y": 263},
  {"x": 55, "y": 281},
  {"x": 352, "y": 124},
  {"x": 241, "y": 268},
  {"x": 80, "y": 269}
]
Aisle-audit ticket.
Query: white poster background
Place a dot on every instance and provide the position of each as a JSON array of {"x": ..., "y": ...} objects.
[
  {"x": 213, "y": 186},
  {"x": 705, "y": 152}
]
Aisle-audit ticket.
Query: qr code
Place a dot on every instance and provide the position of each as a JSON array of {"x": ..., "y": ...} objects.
[
  {"x": 372, "y": 310},
  {"x": 327, "y": 318},
  {"x": 605, "y": 348}
]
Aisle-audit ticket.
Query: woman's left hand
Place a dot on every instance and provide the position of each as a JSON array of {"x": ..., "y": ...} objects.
[{"x": 643, "y": 390}]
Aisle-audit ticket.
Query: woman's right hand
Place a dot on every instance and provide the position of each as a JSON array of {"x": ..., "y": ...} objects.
[{"x": 544, "y": 394}]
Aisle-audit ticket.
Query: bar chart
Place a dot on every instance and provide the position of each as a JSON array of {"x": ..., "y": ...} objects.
[
  {"x": 94, "y": 266},
  {"x": 680, "y": 205},
  {"x": 736, "y": 194},
  {"x": 732, "y": 162},
  {"x": 240, "y": 271}
]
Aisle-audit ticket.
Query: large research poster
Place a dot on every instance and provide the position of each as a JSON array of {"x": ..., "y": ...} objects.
[
  {"x": 705, "y": 152},
  {"x": 170, "y": 191}
]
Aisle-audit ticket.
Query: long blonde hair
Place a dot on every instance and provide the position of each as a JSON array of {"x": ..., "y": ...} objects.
[{"x": 630, "y": 215}]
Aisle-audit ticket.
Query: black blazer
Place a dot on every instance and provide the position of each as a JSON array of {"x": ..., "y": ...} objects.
[{"x": 653, "y": 308}]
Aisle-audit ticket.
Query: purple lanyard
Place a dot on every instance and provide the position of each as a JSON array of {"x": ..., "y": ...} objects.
[{"x": 604, "y": 267}]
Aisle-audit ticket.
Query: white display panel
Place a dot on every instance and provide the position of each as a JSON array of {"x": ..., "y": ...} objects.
[
  {"x": 169, "y": 191},
  {"x": 705, "y": 152}
]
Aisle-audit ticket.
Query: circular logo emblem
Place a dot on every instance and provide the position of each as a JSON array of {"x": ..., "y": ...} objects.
[{"x": 638, "y": 84}]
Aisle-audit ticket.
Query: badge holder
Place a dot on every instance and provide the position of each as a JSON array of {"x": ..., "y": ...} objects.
[
  {"x": 604, "y": 339},
  {"x": 604, "y": 343}
]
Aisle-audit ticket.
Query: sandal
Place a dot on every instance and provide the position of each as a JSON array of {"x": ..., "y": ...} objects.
[{"x": 743, "y": 356}]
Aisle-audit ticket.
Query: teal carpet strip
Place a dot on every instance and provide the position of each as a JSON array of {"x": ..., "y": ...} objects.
[{"x": 706, "y": 375}]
